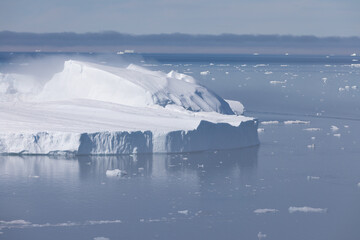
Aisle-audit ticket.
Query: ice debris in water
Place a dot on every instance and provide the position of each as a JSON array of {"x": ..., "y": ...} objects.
[
  {"x": 307, "y": 210},
  {"x": 185, "y": 212},
  {"x": 334, "y": 128},
  {"x": 115, "y": 173},
  {"x": 269, "y": 122},
  {"x": 265, "y": 210},
  {"x": 309, "y": 178},
  {"x": 296, "y": 122},
  {"x": 261, "y": 235}
]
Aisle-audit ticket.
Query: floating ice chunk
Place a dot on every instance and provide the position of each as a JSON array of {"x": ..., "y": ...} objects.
[
  {"x": 265, "y": 210},
  {"x": 284, "y": 65},
  {"x": 260, "y": 130},
  {"x": 255, "y": 54},
  {"x": 185, "y": 212},
  {"x": 358, "y": 184},
  {"x": 334, "y": 128},
  {"x": 205, "y": 73},
  {"x": 120, "y": 53},
  {"x": 296, "y": 122},
  {"x": 278, "y": 82},
  {"x": 309, "y": 178},
  {"x": 355, "y": 65},
  {"x": 269, "y": 122},
  {"x": 353, "y": 55},
  {"x": 115, "y": 173},
  {"x": 312, "y": 129},
  {"x": 33, "y": 176},
  {"x": 354, "y": 87},
  {"x": 261, "y": 235},
  {"x": 101, "y": 238},
  {"x": 347, "y": 88},
  {"x": 129, "y": 51},
  {"x": 311, "y": 146},
  {"x": 268, "y": 72},
  {"x": 307, "y": 210},
  {"x": 337, "y": 135},
  {"x": 324, "y": 79}
]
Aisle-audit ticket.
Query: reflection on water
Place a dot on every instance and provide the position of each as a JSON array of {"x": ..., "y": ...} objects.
[
  {"x": 241, "y": 162},
  {"x": 43, "y": 193}
]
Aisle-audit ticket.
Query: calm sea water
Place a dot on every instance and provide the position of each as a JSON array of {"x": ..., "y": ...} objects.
[{"x": 314, "y": 163}]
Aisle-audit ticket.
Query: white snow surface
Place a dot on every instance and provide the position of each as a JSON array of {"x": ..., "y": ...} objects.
[
  {"x": 132, "y": 86},
  {"x": 93, "y": 109}
]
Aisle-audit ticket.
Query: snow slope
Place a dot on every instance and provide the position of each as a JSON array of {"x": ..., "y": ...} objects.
[
  {"x": 132, "y": 86},
  {"x": 94, "y": 109}
]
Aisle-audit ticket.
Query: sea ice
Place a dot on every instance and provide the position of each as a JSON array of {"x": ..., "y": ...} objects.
[
  {"x": 265, "y": 210},
  {"x": 307, "y": 210}
]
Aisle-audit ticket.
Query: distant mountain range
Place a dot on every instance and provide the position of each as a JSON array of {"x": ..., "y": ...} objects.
[{"x": 177, "y": 43}]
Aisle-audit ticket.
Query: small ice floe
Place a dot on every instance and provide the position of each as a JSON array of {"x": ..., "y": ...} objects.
[
  {"x": 256, "y": 54},
  {"x": 261, "y": 235},
  {"x": 140, "y": 169},
  {"x": 310, "y": 178},
  {"x": 337, "y": 135},
  {"x": 324, "y": 79},
  {"x": 354, "y": 60},
  {"x": 278, "y": 82},
  {"x": 226, "y": 73},
  {"x": 296, "y": 122},
  {"x": 358, "y": 184},
  {"x": 286, "y": 54},
  {"x": 265, "y": 210},
  {"x": 334, "y": 128},
  {"x": 115, "y": 173},
  {"x": 268, "y": 72},
  {"x": 120, "y": 53},
  {"x": 355, "y": 65},
  {"x": 211, "y": 64},
  {"x": 311, "y": 146},
  {"x": 341, "y": 89},
  {"x": 260, "y": 130},
  {"x": 185, "y": 212},
  {"x": 353, "y": 55},
  {"x": 307, "y": 210},
  {"x": 200, "y": 165},
  {"x": 205, "y": 73},
  {"x": 354, "y": 87},
  {"x": 33, "y": 176},
  {"x": 269, "y": 122},
  {"x": 312, "y": 129},
  {"x": 101, "y": 238},
  {"x": 313, "y": 138}
]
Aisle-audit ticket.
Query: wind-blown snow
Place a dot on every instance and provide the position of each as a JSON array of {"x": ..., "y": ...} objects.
[{"x": 94, "y": 109}]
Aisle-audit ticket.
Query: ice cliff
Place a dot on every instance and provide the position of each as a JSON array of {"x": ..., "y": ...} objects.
[{"x": 94, "y": 109}]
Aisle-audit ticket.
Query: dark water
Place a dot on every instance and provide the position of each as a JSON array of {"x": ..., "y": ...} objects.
[{"x": 210, "y": 195}]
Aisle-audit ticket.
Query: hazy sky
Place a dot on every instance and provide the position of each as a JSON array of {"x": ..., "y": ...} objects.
[{"x": 301, "y": 17}]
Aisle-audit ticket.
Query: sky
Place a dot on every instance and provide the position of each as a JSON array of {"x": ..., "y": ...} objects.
[{"x": 301, "y": 17}]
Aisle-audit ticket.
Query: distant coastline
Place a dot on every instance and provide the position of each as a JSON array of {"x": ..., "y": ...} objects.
[{"x": 177, "y": 43}]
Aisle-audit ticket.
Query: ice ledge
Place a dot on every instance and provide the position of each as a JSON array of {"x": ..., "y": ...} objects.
[{"x": 207, "y": 136}]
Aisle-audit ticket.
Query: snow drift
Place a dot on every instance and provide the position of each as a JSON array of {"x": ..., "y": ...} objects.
[{"x": 94, "y": 109}]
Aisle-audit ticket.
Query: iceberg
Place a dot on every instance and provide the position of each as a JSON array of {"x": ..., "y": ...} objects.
[{"x": 95, "y": 109}]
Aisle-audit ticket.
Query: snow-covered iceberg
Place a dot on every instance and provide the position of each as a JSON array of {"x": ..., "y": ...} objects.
[{"x": 94, "y": 109}]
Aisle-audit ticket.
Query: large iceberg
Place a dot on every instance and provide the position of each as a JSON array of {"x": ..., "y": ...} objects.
[{"x": 95, "y": 109}]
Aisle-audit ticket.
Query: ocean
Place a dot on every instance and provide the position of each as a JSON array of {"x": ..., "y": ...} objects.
[{"x": 301, "y": 182}]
